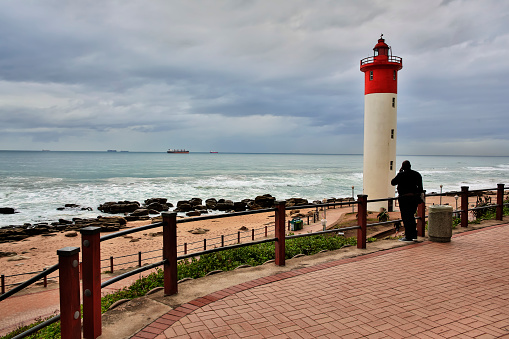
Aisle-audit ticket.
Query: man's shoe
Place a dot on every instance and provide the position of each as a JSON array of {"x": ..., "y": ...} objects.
[{"x": 406, "y": 240}]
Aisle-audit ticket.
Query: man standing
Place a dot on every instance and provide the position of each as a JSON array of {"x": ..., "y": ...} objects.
[{"x": 409, "y": 196}]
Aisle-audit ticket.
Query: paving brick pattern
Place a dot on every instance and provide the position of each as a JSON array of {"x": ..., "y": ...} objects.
[{"x": 425, "y": 290}]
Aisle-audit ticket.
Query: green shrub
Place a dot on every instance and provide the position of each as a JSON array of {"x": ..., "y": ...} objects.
[{"x": 489, "y": 212}]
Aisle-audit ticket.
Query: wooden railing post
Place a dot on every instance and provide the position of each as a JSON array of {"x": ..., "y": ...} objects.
[
  {"x": 170, "y": 253},
  {"x": 421, "y": 215},
  {"x": 464, "y": 206},
  {"x": 69, "y": 280},
  {"x": 500, "y": 202},
  {"x": 280, "y": 232},
  {"x": 362, "y": 211},
  {"x": 390, "y": 205},
  {"x": 91, "y": 273}
]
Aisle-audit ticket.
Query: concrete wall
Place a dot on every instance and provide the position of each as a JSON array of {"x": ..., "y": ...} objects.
[{"x": 380, "y": 118}]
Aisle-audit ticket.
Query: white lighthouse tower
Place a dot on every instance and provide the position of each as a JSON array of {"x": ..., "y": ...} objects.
[{"x": 380, "y": 116}]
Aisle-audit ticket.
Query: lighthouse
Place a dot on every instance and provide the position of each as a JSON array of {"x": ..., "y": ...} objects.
[{"x": 380, "y": 118}]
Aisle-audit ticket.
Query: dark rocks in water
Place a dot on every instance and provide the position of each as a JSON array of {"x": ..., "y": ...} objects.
[
  {"x": 195, "y": 201},
  {"x": 13, "y": 234},
  {"x": 157, "y": 204},
  {"x": 265, "y": 201},
  {"x": 239, "y": 206},
  {"x": 211, "y": 203},
  {"x": 161, "y": 201},
  {"x": 296, "y": 202},
  {"x": 252, "y": 206},
  {"x": 60, "y": 227},
  {"x": 184, "y": 206},
  {"x": 74, "y": 206},
  {"x": 193, "y": 214},
  {"x": 7, "y": 210},
  {"x": 157, "y": 207},
  {"x": 107, "y": 224},
  {"x": 139, "y": 212},
  {"x": 110, "y": 227},
  {"x": 224, "y": 205},
  {"x": 119, "y": 220},
  {"x": 119, "y": 207}
]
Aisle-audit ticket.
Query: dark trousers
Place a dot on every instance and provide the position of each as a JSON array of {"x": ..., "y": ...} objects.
[{"x": 408, "y": 207}]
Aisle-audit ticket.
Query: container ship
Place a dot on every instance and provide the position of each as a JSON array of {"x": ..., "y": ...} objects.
[{"x": 181, "y": 151}]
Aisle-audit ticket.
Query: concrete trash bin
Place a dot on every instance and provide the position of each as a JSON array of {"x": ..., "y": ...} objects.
[{"x": 440, "y": 223}]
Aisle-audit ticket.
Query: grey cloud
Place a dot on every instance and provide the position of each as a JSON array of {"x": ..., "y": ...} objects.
[{"x": 114, "y": 70}]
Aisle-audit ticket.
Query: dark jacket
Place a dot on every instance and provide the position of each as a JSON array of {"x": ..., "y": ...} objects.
[{"x": 409, "y": 182}]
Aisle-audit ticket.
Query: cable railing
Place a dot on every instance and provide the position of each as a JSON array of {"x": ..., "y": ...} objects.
[
  {"x": 390, "y": 58},
  {"x": 68, "y": 265}
]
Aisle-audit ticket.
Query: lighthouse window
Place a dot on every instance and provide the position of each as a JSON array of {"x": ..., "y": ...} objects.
[
  {"x": 393, "y": 75},
  {"x": 371, "y": 75},
  {"x": 392, "y": 133},
  {"x": 376, "y": 51},
  {"x": 393, "y": 102},
  {"x": 391, "y": 165}
]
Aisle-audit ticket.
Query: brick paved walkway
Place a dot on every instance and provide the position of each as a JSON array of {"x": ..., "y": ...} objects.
[{"x": 424, "y": 290}]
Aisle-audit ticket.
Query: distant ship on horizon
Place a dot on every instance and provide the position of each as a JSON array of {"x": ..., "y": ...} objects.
[
  {"x": 214, "y": 152},
  {"x": 180, "y": 151}
]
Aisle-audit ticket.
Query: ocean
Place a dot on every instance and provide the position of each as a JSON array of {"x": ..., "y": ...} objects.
[{"x": 37, "y": 183}]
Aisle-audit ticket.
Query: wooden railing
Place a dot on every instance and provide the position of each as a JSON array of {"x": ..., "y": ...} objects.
[{"x": 68, "y": 265}]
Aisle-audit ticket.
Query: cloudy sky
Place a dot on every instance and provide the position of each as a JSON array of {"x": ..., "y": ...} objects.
[{"x": 249, "y": 76}]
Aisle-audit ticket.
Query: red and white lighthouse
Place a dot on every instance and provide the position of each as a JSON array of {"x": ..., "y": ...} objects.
[{"x": 380, "y": 118}]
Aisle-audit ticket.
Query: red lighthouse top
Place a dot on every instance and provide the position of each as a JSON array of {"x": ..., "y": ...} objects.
[{"x": 381, "y": 69}]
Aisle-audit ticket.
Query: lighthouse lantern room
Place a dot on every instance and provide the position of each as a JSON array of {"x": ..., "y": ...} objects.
[{"x": 380, "y": 118}]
